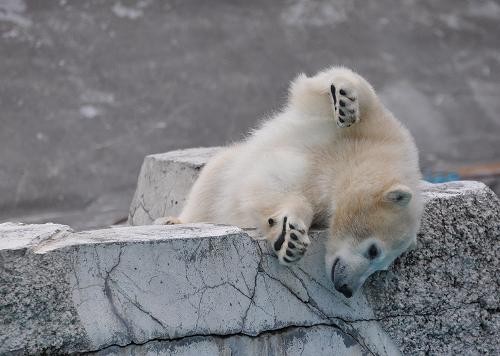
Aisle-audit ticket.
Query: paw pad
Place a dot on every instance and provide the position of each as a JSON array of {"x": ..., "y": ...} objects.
[
  {"x": 345, "y": 103},
  {"x": 288, "y": 251}
]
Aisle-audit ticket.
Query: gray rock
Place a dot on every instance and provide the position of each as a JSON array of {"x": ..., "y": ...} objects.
[
  {"x": 36, "y": 310},
  {"x": 212, "y": 289},
  {"x": 316, "y": 340},
  {"x": 442, "y": 298},
  {"x": 164, "y": 182},
  {"x": 88, "y": 291}
]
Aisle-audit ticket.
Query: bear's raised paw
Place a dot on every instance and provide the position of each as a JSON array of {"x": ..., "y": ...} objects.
[{"x": 346, "y": 105}]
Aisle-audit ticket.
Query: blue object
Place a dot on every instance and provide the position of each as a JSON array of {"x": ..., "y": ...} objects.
[{"x": 441, "y": 177}]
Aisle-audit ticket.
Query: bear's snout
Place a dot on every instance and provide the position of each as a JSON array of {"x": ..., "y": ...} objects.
[
  {"x": 338, "y": 279},
  {"x": 345, "y": 290}
]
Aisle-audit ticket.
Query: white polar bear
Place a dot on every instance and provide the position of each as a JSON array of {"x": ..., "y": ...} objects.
[{"x": 333, "y": 156}]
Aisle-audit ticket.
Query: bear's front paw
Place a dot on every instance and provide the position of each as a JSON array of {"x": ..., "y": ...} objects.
[
  {"x": 345, "y": 103},
  {"x": 289, "y": 239}
]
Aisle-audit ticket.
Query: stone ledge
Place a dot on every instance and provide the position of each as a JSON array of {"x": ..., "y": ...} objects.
[
  {"x": 209, "y": 289},
  {"x": 461, "y": 227},
  {"x": 164, "y": 182},
  {"x": 88, "y": 291}
]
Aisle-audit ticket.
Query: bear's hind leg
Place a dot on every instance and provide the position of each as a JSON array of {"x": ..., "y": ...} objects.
[
  {"x": 167, "y": 220},
  {"x": 345, "y": 102}
]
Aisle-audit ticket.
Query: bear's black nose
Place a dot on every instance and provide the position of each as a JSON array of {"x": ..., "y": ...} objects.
[{"x": 345, "y": 290}]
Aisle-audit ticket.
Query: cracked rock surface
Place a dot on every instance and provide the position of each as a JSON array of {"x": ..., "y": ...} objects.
[
  {"x": 213, "y": 290},
  {"x": 133, "y": 285},
  {"x": 36, "y": 310},
  {"x": 442, "y": 298},
  {"x": 164, "y": 182},
  {"x": 315, "y": 340}
]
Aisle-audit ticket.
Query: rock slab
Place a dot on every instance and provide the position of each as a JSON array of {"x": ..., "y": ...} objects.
[
  {"x": 214, "y": 290},
  {"x": 171, "y": 286},
  {"x": 443, "y": 297},
  {"x": 164, "y": 183}
]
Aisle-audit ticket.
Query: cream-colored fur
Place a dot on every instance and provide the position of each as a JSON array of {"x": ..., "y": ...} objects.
[{"x": 333, "y": 156}]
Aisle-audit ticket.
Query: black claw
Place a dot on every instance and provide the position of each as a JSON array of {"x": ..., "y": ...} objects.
[
  {"x": 293, "y": 236},
  {"x": 332, "y": 89},
  {"x": 342, "y": 103},
  {"x": 279, "y": 242},
  {"x": 341, "y": 120},
  {"x": 291, "y": 226},
  {"x": 291, "y": 244},
  {"x": 270, "y": 221},
  {"x": 341, "y": 112},
  {"x": 289, "y": 253},
  {"x": 342, "y": 92}
]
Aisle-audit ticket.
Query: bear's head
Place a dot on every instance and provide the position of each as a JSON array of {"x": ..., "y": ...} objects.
[{"x": 369, "y": 230}]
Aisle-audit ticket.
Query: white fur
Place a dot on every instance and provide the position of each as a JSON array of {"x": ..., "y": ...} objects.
[{"x": 306, "y": 164}]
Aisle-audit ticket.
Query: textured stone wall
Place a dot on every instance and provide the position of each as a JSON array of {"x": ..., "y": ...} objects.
[
  {"x": 447, "y": 291},
  {"x": 174, "y": 287},
  {"x": 444, "y": 297},
  {"x": 164, "y": 182},
  {"x": 213, "y": 290}
]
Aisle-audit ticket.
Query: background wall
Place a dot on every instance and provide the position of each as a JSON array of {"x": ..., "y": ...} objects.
[{"x": 88, "y": 88}]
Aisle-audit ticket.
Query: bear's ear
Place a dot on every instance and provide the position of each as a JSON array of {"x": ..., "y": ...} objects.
[{"x": 398, "y": 194}]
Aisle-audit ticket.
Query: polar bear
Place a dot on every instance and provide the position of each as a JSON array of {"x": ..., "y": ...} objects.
[{"x": 333, "y": 156}]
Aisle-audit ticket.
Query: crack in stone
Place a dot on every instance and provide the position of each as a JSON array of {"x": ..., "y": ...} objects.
[
  {"x": 321, "y": 285},
  {"x": 301, "y": 282},
  {"x": 151, "y": 279},
  {"x": 241, "y": 259},
  {"x": 253, "y": 290},
  {"x": 259, "y": 267},
  {"x": 141, "y": 204},
  {"x": 166, "y": 200},
  {"x": 311, "y": 304},
  {"x": 316, "y": 310},
  {"x": 133, "y": 283},
  {"x": 141, "y": 308},
  {"x": 222, "y": 336},
  {"x": 109, "y": 295},
  {"x": 198, "y": 311}
]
